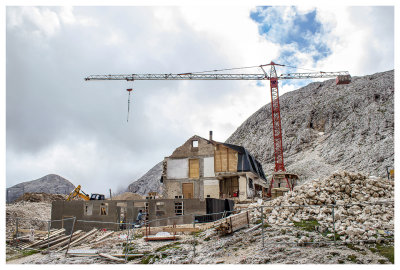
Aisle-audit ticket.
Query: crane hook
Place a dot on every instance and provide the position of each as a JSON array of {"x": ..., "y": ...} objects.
[{"x": 129, "y": 101}]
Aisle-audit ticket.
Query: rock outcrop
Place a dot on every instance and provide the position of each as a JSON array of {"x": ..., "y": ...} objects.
[
  {"x": 327, "y": 127},
  {"x": 149, "y": 182}
]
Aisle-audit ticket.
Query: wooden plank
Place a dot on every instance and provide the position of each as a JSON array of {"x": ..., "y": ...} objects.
[
  {"x": 127, "y": 255},
  {"x": 75, "y": 235},
  {"x": 163, "y": 238},
  {"x": 232, "y": 160},
  {"x": 57, "y": 240},
  {"x": 80, "y": 239},
  {"x": 253, "y": 228},
  {"x": 194, "y": 168},
  {"x": 52, "y": 235},
  {"x": 29, "y": 230},
  {"x": 180, "y": 229},
  {"x": 103, "y": 237},
  {"x": 187, "y": 190},
  {"x": 107, "y": 256},
  {"x": 83, "y": 251}
]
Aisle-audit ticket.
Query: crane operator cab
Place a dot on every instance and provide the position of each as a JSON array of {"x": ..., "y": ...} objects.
[{"x": 95, "y": 196}]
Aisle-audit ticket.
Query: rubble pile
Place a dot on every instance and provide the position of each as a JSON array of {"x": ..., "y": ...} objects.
[
  {"x": 40, "y": 197},
  {"x": 30, "y": 215},
  {"x": 128, "y": 196},
  {"x": 359, "y": 212}
]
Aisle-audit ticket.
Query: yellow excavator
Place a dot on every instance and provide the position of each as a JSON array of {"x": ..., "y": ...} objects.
[{"x": 77, "y": 192}]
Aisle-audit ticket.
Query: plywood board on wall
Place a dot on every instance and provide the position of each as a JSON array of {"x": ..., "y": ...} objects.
[
  {"x": 187, "y": 190},
  {"x": 194, "y": 168},
  {"x": 225, "y": 159}
]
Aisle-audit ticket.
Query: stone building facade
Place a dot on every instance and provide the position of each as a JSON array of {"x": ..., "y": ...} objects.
[{"x": 202, "y": 168}]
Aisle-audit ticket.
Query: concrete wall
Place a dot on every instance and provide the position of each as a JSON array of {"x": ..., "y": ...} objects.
[
  {"x": 173, "y": 188},
  {"x": 157, "y": 209},
  {"x": 211, "y": 188},
  {"x": 177, "y": 168},
  {"x": 209, "y": 167},
  {"x": 65, "y": 209},
  {"x": 242, "y": 188},
  {"x": 190, "y": 207}
]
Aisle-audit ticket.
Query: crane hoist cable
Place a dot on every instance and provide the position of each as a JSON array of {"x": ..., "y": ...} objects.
[{"x": 224, "y": 69}]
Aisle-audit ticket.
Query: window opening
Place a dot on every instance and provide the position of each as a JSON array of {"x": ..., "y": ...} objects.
[
  {"x": 179, "y": 208},
  {"x": 146, "y": 211},
  {"x": 104, "y": 209},
  {"x": 88, "y": 209},
  {"x": 250, "y": 183}
]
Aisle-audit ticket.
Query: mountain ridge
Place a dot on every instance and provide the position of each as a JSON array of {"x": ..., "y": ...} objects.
[{"x": 51, "y": 183}]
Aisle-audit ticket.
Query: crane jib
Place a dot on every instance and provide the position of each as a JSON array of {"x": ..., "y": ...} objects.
[{"x": 190, "y": 76}]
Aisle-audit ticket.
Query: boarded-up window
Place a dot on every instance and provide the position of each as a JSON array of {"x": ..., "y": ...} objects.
[
  {"x": 225, "y": 159},
  {"x": 187, "y": 190},
  {"x": 194, "y": 166}
]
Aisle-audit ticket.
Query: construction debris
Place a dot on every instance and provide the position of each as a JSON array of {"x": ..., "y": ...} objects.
[
  {"x": 234, "y": 223},
  {"x": 128, "y": 196},
  {"x": 161, "y": 236}
]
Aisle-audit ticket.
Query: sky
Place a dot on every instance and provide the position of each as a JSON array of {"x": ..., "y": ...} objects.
[{"x": 58, "y": 123}]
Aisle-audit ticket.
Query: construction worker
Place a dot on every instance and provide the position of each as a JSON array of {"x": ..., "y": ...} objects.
[{"x": 139, "y": 218}]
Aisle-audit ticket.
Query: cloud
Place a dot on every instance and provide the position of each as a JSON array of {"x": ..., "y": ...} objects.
[
  {"x": 58, "y": 123},
  {"x": 362, "y": 38}
]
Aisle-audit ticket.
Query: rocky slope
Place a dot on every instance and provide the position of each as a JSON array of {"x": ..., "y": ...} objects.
[
  {"x": 149, "y": 182},
  {"x": 328, "y": 127},
  {"x": 50, "y": 183}
]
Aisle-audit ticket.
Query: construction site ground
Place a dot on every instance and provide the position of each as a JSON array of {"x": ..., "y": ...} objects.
[{"x": 281, "y": 246}]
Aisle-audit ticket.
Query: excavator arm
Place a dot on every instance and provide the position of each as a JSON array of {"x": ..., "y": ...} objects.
[{"x": 78, "y": 192}]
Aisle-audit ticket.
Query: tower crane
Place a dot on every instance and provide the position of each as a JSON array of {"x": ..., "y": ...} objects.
[{"x": 342, "y": 77}]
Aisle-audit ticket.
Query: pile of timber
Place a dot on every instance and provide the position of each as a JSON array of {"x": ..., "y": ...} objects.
[
  {"x": 233, "y": 223},
  {"x": 58, "y": 240}
]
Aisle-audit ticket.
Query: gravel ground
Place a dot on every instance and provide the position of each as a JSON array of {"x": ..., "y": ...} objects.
[{"x": 281, "y": 247}]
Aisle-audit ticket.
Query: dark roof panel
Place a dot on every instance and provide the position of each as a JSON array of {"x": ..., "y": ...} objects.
[{"x": 246, "y": 162}]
